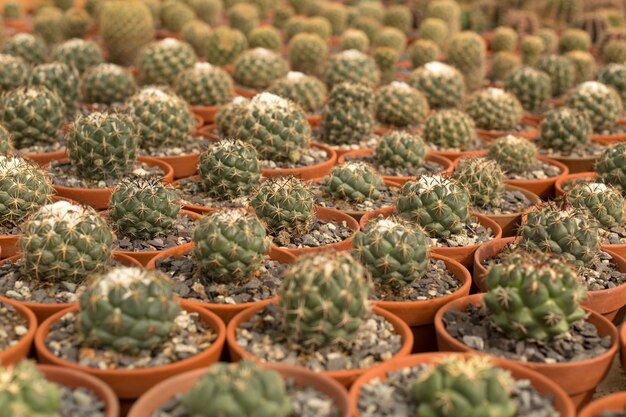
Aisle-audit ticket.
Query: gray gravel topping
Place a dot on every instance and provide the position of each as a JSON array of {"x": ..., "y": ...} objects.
[
  {"x": 191, "y": 191},
  {"x": 541, "y": 170},
  {"x": 13, "y": 326},
  {"x": 80, "y": 402},
  {"x": 512, "y": 202},
  {"x": 181, "y": 233},
  {"x": 426, "y": 169},
  {"x": 321, "y": 233},
  {"x": 388, "y": 197},
  {"x": 63, "y": 174}
]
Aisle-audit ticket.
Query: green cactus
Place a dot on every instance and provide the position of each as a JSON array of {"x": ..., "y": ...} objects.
[
  {"x": 435, "y": 30},
  {"x": 30, "y": 48},
  {"x": 75, "y": 23},
  {"x": 294, "y": 25},
  {"x": 440, "y": 205},
  {"x": 324, "y": 300},
  {"x": 611, "y": 166},
  {"x": 563, "y": 230},
  {"x": 483, "y": 178},
  {"x": 400, "y": 105},
  {"x": 284, "y": 204},
  {"x": 584, "y": 65},
  {"x": 532, "y": 48},
  {"x": 601, "y": 104},
  {"x": 307, "y": 53},
  {"x": 467, "y": 52},
  {"x": 447, "y": 10},
  {"x": 238, "y": 390},
  {"x": 266, "y": 37},
  {"x": 522, "y": 21},
  {"x": 442, "y": 84},
  {"x": 103, "y": 146},
  {"x": 282, "y": 15},
  {"x": 561, "y": 71},
  {"x": 305, "y": 90},
  {"x": 142, "y": 208},
  {"x": 355, "y": 182},
  {"x": 243, "y": 17},
  {"x": 225, "y": 44},
  {"x": 456, "y": 385},
  {"x": 533, "y": 297},
  {"x": 348, "y": 115},
  {"x": 107, "y": 84},
  {"x": 503, "y": 64},
  {"x": 351, "y": 66},
  {"x": 47, "y": 24},
  {"x": 603, "y": 202},
  {"x": 373, "y": 9},
  {"x": 6, "y": 142},
  {"x": 423, "y": 51},
  {"x": 25, "y": 391},
  {"x": 614, "y": 75},
  {"x": 564, "y": 130},
  {"x": 126, "y": 27},
  {"x": 399, "y": 149},
  {"x": 61, "y": 79},
  {"x": 12, "y": 10},
  {"x": 354, "y": 39},
  {"x": 368, "y": 25},
  {"x": 449, "y": 129},
  {"x": 532, "y": 88},
  {"x": 229, "y": 169},
  {"x": 175, "y": 15},
  {"x": 258, "y": 68},
  {"x": 127, "y": 309},
  {"x": 614, "y": 52},
  {"x": 386, "y": 60},
  {"x": 550, "y": 39},
  {"x": 399, "y": 16},
  {"x": 513, "y": 153},
  {"x": 33, "y": 115},
  {"x": 65, "y": 242},
  {"x": 14, "y": 72},
  {"x": 160, "y": 62},
  {"x": 228, "y": 113},
  {"x": 197, "y": 34},
  {"x": 337, "y": 16},
  {"x": 79, "y": 54},
  {"x": 64, "y": 4},
  {"x": 391, "y": 38},
  {"x": 204, "y": 85},
  {"x": 574, "y": 40},
  {"x": 210, "y": 11},
  {"x": 494, "y": 109},
  {"x": 504, "y": 39}
]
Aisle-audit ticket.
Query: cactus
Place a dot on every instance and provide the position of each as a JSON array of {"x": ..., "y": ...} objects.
[
  {"x": 564, "y": 130},
  {"x": 277, "y": 128},
  {"x": 348, "y": 115},
  {"x": 483, "y": 178},
  {"x": 563, "y": 230},
  {"x": 386, "y": 60},
  {"x": 400, "y": 149},
  {"x": 33, "y": 115},
  {"x": 373, "y": 9},
  {"x": 79, "y": 54},
  {"x": 614, "y": 75},
  {"x": 522, "y": 21},
  {"x": 127, "y": 309},
  {"x": 204, "y": 85},
  {"x": 26, "y": 46},
  {"x": 243, "y": 17},
  {"x": 241, "y": 389},
  {"x": 107, "y": 84},
  {"x": 197, "y": 34},
  {"x": 63, "y": 4},
  {"x": 6, "y": 142},
  {"x": 561, "y": 71},
  {"x": 603, "y": 202},
  {"x": 14, "y": 72},
  {"x": 440, "y": 205},
  {"x": 103, "y": 146},
  {"x": 65, "y": 242},
  {"x": 584, "y": 65},
  {"x": 547, "y": 296},
  {"x": 532, "y": 47},
  {"x": 503, "y": 64},
  {"x": 229, "y": 169},
  {"x": 512, "y": 153},
  {"x": 61, "y": 79},
  {"x": 467, "y": 52},
  {"x": 12, "y": 10},
  {"x": 75, "y": 23},
  {"x": 531, "y": 87},
  {"x": 447, "y": 10},
  {"x": 160, "y": 62},
  {"x": 25, "y": 391},
  {"x": 595, "y": 24},
  {"x": 400, "y": 105},
  {"x": 266, "y": 37},
  {"x": 175, "y": 15},
  {"x": 225, "y": 44},
  {"x": 305, "y": 90},
  {"x": 562, "y": 12},
  {"x": 504, "y": 39},
  {"x": 435, "y": 30},
  {"x": 282, "y": 15},
  {"x": 126, "y": 27},
  {"x": 391, "y": 38},
  {"x": 354, "y": 39},
  {"x": 351, "y": 66},
  {"x": 284, "y": 204},
  {"x": 324, "y": 300},
  {"x": 611, "y": 166},
  {"x": 226, "y": 115},
  {"x": 494, "y": 109},
  {"x": 574, "y": 40},
  {"x": 601, "y": 104},
  {"x": 307, "y": 53},
  {"x": 367, "y": 25},
  {"x": 423, "y": 51},
  {"x": 442, "y": 84},
  {"x": 355, "y": 182},
  {"x": 47, "y": 24},
  {"x": 449, "y": 129},
  {"x": 614, "y": 52},
  {"x": 337, "y": 16},
  {"x": 398, "y": 16},
  {"x": 456, "y": 384},
  {"x": 165, "y": 120},
  {"x": 208, "y": 11},
  {"x": 550, "y": 39},
  {"x": 230, "y": 246},
  {"x": 258, "y": 68}
]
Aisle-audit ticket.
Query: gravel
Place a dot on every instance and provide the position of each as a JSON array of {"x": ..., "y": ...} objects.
[
  {"x": 191, "y": 191},
  {"x": 262, "y": 336},
  {"x": 388, "y": 197},
  {"x": 181, "y": 233},
  {"x": 512, "y": 202},
  {"x": 311, "y": 156},
  {"x": 473, "y": 233},
  {"x": 188, "y": 284},
  {"x": 10, "y": 231},
  {"x": 476, "y": 144},
  {"x": 321, "y": 233},
  {"x": 541, "y": 170},
  {"x": 591, "y": 149},
  {"x": 613, "y": 236},
  {"x": 192, "y": 145},
  {"x": 189, "y": 337},
  {"x": 80, "y": 402},
  {"x": 368, "y": 142},
  {"x": 393, "y": 398},
  {"x": 428, "y": 168},
  {"x": 613, "y": 414},
  {"x": 65, "y": 175},
  {"x": 474, "y": 328},
  {"x": 13, "y": 326},
  {"x": 57, "y": 145}
]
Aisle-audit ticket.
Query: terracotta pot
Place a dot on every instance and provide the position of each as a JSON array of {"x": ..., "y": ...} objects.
[
  {"x": 622, "y": 344},
  {"x": 486, "y": 251},
  {"x": 209, "y": 131},
  {"x": 613, "y": 402},
  {"x": 44, "y": 158},
  {"x": 146, "y": 256},
  {"x": 571, "y": 177},
  {"x": 490, "y": 135},
  {"x": 184, "y": 165},
  {"x": 20, "y": 350},
  {"x": 19, "y": 25},
  {"x": 192, "y": 207},
  {"x": 610, "y": 139},
  {"x": 226, "y": 311},
  {"x": 344, "y": 377},
  {"x": 164, "y": 33},
  {"x": 328, "y": 214},
  {"x": 314, "y": 171},
  {"x": 420, "y": 315},
  {"x": 132, "y": 383},
  {"x": 510, "y": 222},
  {"x": 74, "y": 379},
  {"x": 453, "y": 156},
  {"x": 43, "y": 311},
  {"x": 98, "y": 198},
  {"x": 245, "y": 92},
  {"x": 578, "y": 164},
  {"x": 579, "y": 379},
  {"x": 430, "y": 157},
  {"x": 544, "y": 188},
  {"x": 199, "y": 121},
  {"x": 206, "y": 113},
  {"x": 357, "y": 214},
  {"x": 543, "y": 385},
  {"x": 463, "y": 254},
  {"x": 535, "y": 118},
  {"x": 149, "y": 403},
  {"x": 314, "y": 120}
]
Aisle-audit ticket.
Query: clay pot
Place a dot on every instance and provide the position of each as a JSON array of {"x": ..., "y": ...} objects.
[
  {"x": 43, "y": 311},
  {"x": 132, "y": 383},
  {"x": 18, "y": 25},
  {"x": 226, "y": 311},
  {"x": 209, "y": 131},
  {"x": 305, "y": 173},
  {"x": 613, "y": 402},
  {"x": 430, "y": 157},
  {"x": 613, "y": 138},
  {"x": 245, "y": 92},
  {"x": 192, "y": 207},
  {"x": 486, "y": 251},
  {"x": 344, "y": 377},
  {"x": 206, "y": 113},
  {"x": 98, "y": 198},
  {"x": 463, "y": 254},
  {"x": 44, "y": 158},
  {"x": 543, "y": 385},
  {"x": 184, "y": 165},
  {"x": 328, "y": 214},
  {"x": 420, "y": 315},
  {"x": 20, "y": 350},
  {"x": 510, "y": 222},
  {"x": 489, "y": 135},
  {"x": 314, "y": 120},
  {"x": 579, "y": 379},
  {"x": 571, "y": 177},
  {"x": 578, "y": 164},
  {"x": 146, "y": 256},
  {"x": 149, "y": 403},
  {"x": 74, "y": 379}
]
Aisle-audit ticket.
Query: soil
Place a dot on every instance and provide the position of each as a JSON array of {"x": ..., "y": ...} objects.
[
  {"x": 388, "y": 197},
  {"x": 181, "y": 233},
  {"x": 13, "y": 326},
  {"x": 64, "y": 174},
  {"x": 473, "y": 233},
  {"x": 189, "y": 337},
  {"x": 428, "y": 168},
  {"x": 541, "y": 170},
  {"x": 511, "y": 202},
  {"x": 375, "y": 342},
  {"x": 321, "y": 233},
  {"x": 311, "y": 156},
  {"x": 591, "y": 149},
  {"x": 476, "y": 144},
  {"x": 10, "y": 231},
  {"x": 58, "y": 145},
  {"x": 191, "y": 191},
  {"x": 192, "y": 145},
  {"x": 80, "y": 402}
]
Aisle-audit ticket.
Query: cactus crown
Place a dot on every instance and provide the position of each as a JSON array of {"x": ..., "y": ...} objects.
[
  {"x": 600, "y": 103},
  {"x": 483, "y": 178},
  {"x": 401, "y": 149},
  {"x": 513, "y": 153},
  {"x": 611, "y": 166},
  {"x": 604, "y": 202},
  {"x": 565, "y": 129},
  {"x": 26, "y": 392},
  {"x": 354, "y": 181},
  {"x": 495, "y": 109}
]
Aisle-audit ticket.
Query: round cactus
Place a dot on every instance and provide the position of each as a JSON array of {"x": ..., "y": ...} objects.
[
  {"x": 348, "y": 115},
  {"x": 351, "y": 66},
  {"x": 503, "y": 64},
  {"x": 614, "y": 75},
  {"x": 204, "y": 85},
  {"x": 26, "y": 46},
  {"x": 79, "y": 54},
  {"x": 584, "y": 65},
  {"x": 561, "y": 72},
  {"x": 160, "y": 62},
  {"x": 258, "y": 68},
  {"x": 400, "y": 105},
  {"x": 449, "y": 129},
  {"x": 225, "y": 44},
  {"x": 75, "y": 23},
  {"x": 354, "y": 39},
  {"x": 504, "y": 39},
  {"x": 47, "y": 24},
  {"x": 532, "y": 47},
  {"x": 512, "y": 153},
  {"x": 574, "y": 40},
  {"x": 564, "y": 130},
  {"x": 243, "y": 17},
  {"x": 355, "y": 182},
  {"x": 59, "y": 78},
  {"x": 614, "y": 52},
  {"x": 305, "y": 90},
  {"x": 391, "y": 38},
  {"x": 399, "y": 16},
  {"x": 423, "y": 51},
  {"x": 401, "y": 149},
  {"x": 25, "y": 391},
  {"x": 611, "y": 166},
  {"x": 107, "y": 84},
  {"x": 601, "y": 104},
  {"x": 175, "y": 15},
  {"x": 442, "y": 84},
  {"x": 434, "y": 30},
  {"x": 532, "y": 88},
  {"x": 14, "y": 72},
  {"x": 495, "y": 109},
  {"x": 266, "y": 37},
  {"x": 307, "y": 53},
  {"x": 197, "y": 34},
  {"x": 467, "y": 52},
  {"x": 603, "y": 202},
  {"x": 483, "y": 178},
  {"x": 226, "y": 115}
]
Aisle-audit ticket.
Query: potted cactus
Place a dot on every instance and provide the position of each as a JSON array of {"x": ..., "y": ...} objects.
[
  {"x": 350, "y": 66},
  {"x": 308, "y": 92},
  {"x": 400, "y": 106},
  {"x": 286, "y": 331},
  {"x": 442, "y": 84},
  {"x": 451, "y": 133},
  {"x": 106, "y": 86},
  {"x": 161, "y": 61},
  {"x": 533, "y": 89},
  {"x": 79, "y": 54},
  {"x": 125, "y": 330},
  {"x": 255, "y": 69}
]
